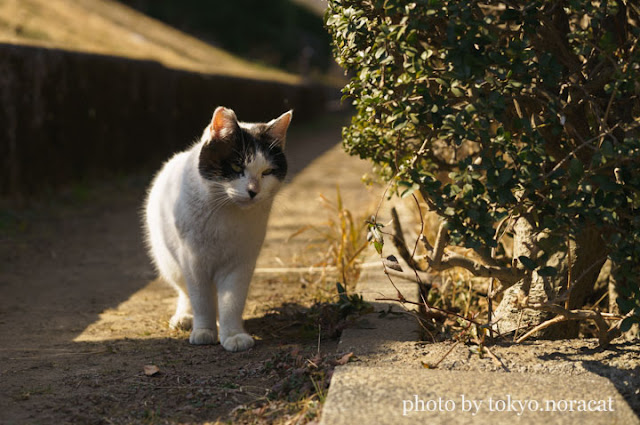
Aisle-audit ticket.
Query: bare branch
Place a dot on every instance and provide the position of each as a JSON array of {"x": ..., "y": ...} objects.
[
  {"x": 563, "y": 314},
  {"x": 425, "y": 243},
  {"x": 503, "y": 274},
  {"x": 487, "y": 256},
  {"x": 541, "y": 326},
  {"x": 615, "y": 331},
  {"x": 439, "y": 261},
  {"x": 422, "y": 277},
  {"x": 441, "y": 241},
  {"x": 432, "y": 308},
  {"x": 400, "y": 243}
]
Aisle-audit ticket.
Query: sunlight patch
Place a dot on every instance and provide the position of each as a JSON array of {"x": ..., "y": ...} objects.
[{"x": 143, "y": 316}]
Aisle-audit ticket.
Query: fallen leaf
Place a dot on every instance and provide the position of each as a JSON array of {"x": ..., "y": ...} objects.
[
  {"x": 151, "y": 370},
  {"x": 260, "y": 410},
  {"x": 344, "y": 359},
  {"x": 238, "y": 408}
]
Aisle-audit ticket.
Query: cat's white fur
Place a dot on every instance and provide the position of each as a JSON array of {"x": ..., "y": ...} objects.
[{"x": 204, "y": 237}]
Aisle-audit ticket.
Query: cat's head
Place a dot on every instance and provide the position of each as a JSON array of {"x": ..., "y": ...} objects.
[{"x": 245, "y": 161}]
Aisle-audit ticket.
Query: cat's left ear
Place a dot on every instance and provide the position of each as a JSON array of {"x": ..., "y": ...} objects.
[{"x": 278, "y": 128}]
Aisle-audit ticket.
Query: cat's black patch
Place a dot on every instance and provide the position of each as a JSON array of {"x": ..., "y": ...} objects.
[{"x": 219, "y": 158}]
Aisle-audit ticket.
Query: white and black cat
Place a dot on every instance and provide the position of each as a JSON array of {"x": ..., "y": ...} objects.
[{"x": 206, "y": 217}]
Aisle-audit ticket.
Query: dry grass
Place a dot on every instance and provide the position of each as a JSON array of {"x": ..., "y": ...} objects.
[
  {"x": 108, "y": 27},
  {"x": 339, "y": 243}
]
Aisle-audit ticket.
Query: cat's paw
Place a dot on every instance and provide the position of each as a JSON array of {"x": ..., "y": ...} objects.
[
  {"x": 238, "y": 342},
  {"x": 203, "y": 336},
  {"x": 181, "y": 321}
]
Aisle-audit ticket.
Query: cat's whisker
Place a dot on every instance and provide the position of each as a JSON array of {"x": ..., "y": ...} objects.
[
  {"x": 218, "y": 205},
  {"x": 274, "y": 143}
]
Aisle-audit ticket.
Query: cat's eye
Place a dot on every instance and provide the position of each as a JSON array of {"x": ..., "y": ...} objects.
[
  {"x": 267, "y": 172},
  {"x": 237, "y": 168}
]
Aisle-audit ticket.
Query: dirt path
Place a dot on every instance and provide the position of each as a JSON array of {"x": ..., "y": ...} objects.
[{"x": 81, "y": 314}]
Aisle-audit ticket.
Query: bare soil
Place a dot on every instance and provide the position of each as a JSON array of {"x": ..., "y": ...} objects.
[{"x": 81, "y": 313}]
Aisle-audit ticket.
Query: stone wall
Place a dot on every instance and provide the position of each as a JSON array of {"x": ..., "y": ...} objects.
[{"x": 67, "y": 116}]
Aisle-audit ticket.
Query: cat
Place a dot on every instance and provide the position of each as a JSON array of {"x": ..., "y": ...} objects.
[{"x": 205, "y": 219}]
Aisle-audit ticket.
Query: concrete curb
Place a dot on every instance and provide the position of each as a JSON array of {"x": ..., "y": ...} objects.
[
  {"x": 388, "y": 395},
  {"x": 382, "y": 388}
]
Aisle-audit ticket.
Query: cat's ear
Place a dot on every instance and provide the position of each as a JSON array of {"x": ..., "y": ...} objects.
[
  {"x": 223, "y": 123},
  {"x": 278, "y": 128}
]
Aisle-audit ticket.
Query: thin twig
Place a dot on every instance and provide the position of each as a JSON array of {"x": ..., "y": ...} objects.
[
  {"x": 425, "y": 243},
  {"x": 400, "y": 243},
  {"x": 515, "y": 333},
  {"x": 614, "y": 331},
  {"x": 445, "y": 312},
  {"x": 423, "y": 278},
  {"x": 415, "y": 246},
  {"x": 585, "y": 143},
  {"x": 495, "y": 358},
  {"x": 570, "y": 284},
  {"x": 541, "y": 326},
  {"x": 435, "y": 365},
  {"x": 567, "y": 294},
  {"x": 419, "y": 319}
]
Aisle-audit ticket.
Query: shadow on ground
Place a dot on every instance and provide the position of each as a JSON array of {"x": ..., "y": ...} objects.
[
  {"x": 79, "y": 318},
  {"x": 626, "y": 379},
  {"x": 105, "y": 382}
]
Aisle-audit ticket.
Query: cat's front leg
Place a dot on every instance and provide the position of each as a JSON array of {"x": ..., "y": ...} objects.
[
  {"x": 183, "y": 317},
  {"x": 202, "y": 295},
  {"x": 232, "y": 294}
]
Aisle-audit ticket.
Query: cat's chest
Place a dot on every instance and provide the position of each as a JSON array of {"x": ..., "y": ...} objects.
[
  {"x": 233, "y": 231},
  {"x": 238, "y": 227}
]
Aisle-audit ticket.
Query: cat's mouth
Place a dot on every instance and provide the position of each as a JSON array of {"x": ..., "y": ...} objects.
[{"x": 246, "y": 203}]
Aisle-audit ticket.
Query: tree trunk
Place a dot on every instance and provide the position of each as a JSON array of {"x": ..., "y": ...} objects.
[
  {"x": 614, "y": 286},
  {"x": 587, "y": 255}
]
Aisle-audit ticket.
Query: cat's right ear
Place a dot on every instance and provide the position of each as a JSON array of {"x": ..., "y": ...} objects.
[{"x": 223, "y": 123}]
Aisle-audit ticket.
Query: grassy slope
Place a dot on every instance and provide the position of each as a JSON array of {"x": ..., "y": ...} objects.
[{"x": 108, "y": 27}]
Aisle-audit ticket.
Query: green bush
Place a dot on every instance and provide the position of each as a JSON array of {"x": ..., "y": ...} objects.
[{"x": 533, "y": 110}]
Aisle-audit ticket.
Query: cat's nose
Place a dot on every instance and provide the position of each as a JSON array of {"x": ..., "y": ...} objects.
[{"x": 253, "y": 187}]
